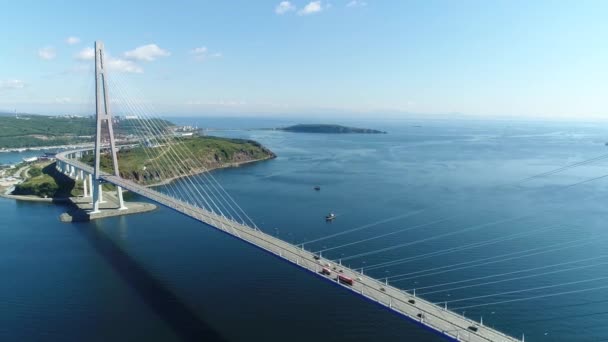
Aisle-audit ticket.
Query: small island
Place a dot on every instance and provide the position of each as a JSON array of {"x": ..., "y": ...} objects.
[{"x": 326, "y": 128}]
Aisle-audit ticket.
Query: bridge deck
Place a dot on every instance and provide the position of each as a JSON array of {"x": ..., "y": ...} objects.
[{"x": 432, "y": 316}]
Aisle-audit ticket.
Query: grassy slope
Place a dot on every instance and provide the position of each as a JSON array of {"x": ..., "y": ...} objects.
[
  {"x": 150, "y": 165},
  {"x": 50, "y": 183}
]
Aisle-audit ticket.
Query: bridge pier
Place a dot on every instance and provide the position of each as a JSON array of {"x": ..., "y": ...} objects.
[
  {"x": 85, "y": 187},
  {"x": 90, "y": 181},
  {"x": 97, "y": 196},
  {"x": 121, "y": 202}
]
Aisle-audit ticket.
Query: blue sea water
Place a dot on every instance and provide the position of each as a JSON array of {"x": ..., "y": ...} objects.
[{"x": 162, "y": 277}]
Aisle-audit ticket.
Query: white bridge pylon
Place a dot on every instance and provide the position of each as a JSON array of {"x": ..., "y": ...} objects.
[{"x": 103, "y": 117}]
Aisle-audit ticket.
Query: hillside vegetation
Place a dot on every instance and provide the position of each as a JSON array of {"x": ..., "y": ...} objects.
[
  {"x": 197, "y": 154},
  {"x": 24, "y": 131},
  {"x": 48, "y": 182}
]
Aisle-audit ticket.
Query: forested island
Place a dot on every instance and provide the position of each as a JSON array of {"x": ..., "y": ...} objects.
[{"x": 326, "y": 128}]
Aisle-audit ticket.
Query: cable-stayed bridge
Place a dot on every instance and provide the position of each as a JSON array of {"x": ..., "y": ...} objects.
[{"x": 215, "y": 208}]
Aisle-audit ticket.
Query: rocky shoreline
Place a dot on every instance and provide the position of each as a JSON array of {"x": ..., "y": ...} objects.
[{"x": 200, "y": 171}]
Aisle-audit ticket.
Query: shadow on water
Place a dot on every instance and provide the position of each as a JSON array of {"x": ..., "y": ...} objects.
[{"x": 183, "y": 321}]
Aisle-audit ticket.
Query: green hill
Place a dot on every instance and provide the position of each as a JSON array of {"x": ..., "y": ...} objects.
[
  {"x": 22, "y": 131},
  {"x": 195, "y": 155}
]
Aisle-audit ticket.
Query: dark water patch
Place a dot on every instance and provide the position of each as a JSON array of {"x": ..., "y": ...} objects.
[{"x": 186, "y": 323}]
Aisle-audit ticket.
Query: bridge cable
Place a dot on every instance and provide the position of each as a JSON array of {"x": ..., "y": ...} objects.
[
  {"x": 143, "y": 138},
  {"x": 464, "y": 247},
  {"x": 214, "y": 183},
  {"x": 158, "y": 135},
  {"x": 531, "y": 298},
  {"x": 495, "y": 259},
  {"x": 224, "y": 210},
  {"x": 585, "y": 162},
  {"x": 394, "y": 262},
  {"x": 564, "y": 168},
  {"x": 366, "y": 226},
  {"x": 406, "y": 244},
  {"x": 514, "y": 278},
  {"x": 525, "y": 290},
  {"x": 468, "y": 280},
  {"x": 387, "y": 234},
  {"x": 144, "y": 124}
]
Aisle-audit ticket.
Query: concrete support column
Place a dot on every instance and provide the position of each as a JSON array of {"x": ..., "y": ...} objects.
[
  {"x": 90, "y": 180},
  {"x": 85, "y": 185},
  {"x": 96, "y": 189},
  {"x": 121, "y": 202},
  {"x": 79, "y": 175},
  {"x": 97, "y": 196},
  {"x": 100, "y": 186}
]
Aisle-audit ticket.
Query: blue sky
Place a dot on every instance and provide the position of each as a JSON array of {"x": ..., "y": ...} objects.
[{"x": 541, "y": 59}]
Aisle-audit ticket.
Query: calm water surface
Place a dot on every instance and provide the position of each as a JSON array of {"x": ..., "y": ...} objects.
[{"x": 163, "y": 277}]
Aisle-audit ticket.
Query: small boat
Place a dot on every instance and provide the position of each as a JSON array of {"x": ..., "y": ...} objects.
[
  {"x": 317, "y": 187},
  {"x": 330, "y": 217}
]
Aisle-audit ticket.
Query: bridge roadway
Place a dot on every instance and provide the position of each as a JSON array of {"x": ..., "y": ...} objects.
[{"x": 433, "y": 317}]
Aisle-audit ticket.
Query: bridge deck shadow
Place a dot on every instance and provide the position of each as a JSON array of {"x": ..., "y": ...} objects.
[{"x": 184, "y": 322}]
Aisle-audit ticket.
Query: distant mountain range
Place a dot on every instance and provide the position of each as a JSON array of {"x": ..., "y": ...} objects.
[{"x": 323, "y": 128}]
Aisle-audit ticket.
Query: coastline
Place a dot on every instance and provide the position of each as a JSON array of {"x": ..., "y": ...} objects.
[
  {"x": 33, "y": 199},
  {"x": 59, "y": 147},
  {"x": 42, "y": 148},
  {"x": 164, "y": 182},
  {"x": 200, "y": 171}
]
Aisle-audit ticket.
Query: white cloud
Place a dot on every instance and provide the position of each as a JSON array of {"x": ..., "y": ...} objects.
[
  {"x": 123, "y": 65},
  {"x": 284, "y": 7},
  {"x": 147, "y": 53},
  {"x": 113, "y": 64},
  {"x": 12, "y": 84},
  {"x": 356, "y": 3},
  {"x": 202, "y": 53},
  {"x": 86, "y": 54},
  {"x": 63, "y": 100},
  {"x": 47, "y": 53},
  {"x": 72, "y": 40},
  {"x": 199, "y": 50},
  {"x": 312, "y": 8}
]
